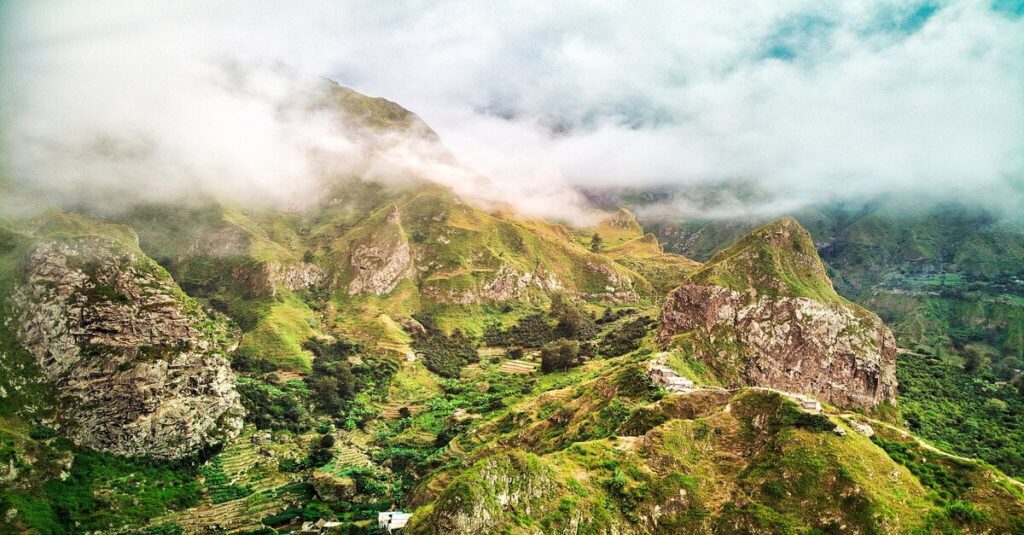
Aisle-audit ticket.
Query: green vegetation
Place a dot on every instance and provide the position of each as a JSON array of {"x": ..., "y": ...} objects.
[
  {"x": 626, "y": 338},
  {"x": 104, "y": 490},
  {"x": 532, "y": 331},
  {"x": 776, "y": 259},
  {"x": 560, "y": 356},
  {"x": 278, "y": 337},
  {"x": 443, "y": 354},
  {"x": 963, "y": 413},
  {"x": 272, "y": 406},
  {"x": 593, "y": 444},
  {"x": 331, "y": 382}
]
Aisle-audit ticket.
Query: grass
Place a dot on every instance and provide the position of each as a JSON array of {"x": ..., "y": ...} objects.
[
  {"x": 278, "y": 336},
  {"x": 778, "y": 259},
  {"x": 686, "y": 365}
]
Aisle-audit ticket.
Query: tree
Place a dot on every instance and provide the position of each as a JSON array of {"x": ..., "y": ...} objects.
[
  {"x": 320, "y": 451},
  {"x": 332, "y": 382},
  {"x": 973, "y": 360},
  {"x": 570, "y": 323},
  {"x": 1008, "y": 368},
  {"x": 559, "y": 356},
  {"x": 996, "y": 405},
  {"x": 558, "y": 303},
  {"x": 595, "y": 242}
]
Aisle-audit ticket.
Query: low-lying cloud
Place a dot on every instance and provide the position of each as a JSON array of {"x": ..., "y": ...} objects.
[{"x": 811, "y": 101}]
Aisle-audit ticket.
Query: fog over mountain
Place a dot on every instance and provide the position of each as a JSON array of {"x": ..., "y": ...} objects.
[{"x": 809, "y": 101}]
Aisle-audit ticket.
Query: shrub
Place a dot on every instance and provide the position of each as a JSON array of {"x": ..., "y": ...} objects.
[
  {"x": 559, "y": 356},
  {"x": 42, "y": 432},
  {"x": 443, "y": 354},
  {"x": 626, "y": 338},
  {"x": 633, "y": 382},
  {"x": 270, "y": 407},
  {"x": 242, "y": 362},
  {"x": 335, "y": 382},
  {"x": 964, "y": 512},
  {"x": 531, "y": 331},
  {"x": 572, "y": 323}
]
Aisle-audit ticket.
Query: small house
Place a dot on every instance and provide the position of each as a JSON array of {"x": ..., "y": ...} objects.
[
  {"x": 390, "y": 521},
  {"x": 810, "y": 405}
]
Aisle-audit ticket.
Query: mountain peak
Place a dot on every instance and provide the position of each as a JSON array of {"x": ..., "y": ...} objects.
[
  {"x": 763, "y": 312},
  {"x": 777, "y": 259}
]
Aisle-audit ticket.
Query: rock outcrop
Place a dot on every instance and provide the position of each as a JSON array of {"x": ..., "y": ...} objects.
[
  {"x": 504, "y": 284},
  {"x": 333, "y": 488},
  {"x": 479, "y": 501},
  {"x": 763, "y": 313},
  {"x": 266, "y": 278},
  {"x": 140, "y": 368},
  {"x": 380, "y": 260}
]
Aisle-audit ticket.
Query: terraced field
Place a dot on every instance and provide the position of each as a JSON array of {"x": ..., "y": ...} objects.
[
  {"x": 243, "y": 485},
  {"x": 518, "y": 366},
  {"x": 393, "y": 411},
  {"x": 346, "y": 457}
]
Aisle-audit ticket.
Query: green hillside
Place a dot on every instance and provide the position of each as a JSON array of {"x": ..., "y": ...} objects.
[
  {"x": 399, "y": 347},
  {"x": 778, "y": 259}
]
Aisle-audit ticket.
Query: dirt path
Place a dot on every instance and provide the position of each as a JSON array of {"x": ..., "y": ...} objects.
[{"x": 906, "y": 434}]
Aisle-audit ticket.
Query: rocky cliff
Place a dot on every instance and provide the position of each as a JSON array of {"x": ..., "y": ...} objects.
[
  {"x": 382, "y": 258},
  {"x": 265, "y": 278},
  {"x": 140, "y": 368},
  {"x": 764, "y": 313},
  {"x": 479, "y": 501}
]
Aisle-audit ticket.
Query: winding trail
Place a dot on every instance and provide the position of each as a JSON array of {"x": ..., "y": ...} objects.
[{"x": 920, "y": 442}]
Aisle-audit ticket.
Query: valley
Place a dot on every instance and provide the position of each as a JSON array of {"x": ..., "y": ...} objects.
[{"x": 216, "y": 367}]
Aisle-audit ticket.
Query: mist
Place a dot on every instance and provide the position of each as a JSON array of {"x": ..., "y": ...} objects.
[{"x": 809, "y": 101}]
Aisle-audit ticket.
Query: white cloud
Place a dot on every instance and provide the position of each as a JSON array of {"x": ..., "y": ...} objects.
[{"x": 807, "y": 99}]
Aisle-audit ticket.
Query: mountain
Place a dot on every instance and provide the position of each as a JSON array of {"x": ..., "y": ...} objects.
[
  {"x": 139, "y": 366},
  {"x": 763, "y": 312},
  {"x": 188, "y": 367},
  {"x": 945, "y": 277}
]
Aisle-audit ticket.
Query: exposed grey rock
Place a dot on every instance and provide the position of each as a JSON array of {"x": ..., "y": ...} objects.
[
  {"x": 835, "y": 352},
  {"x": 139, "y": 367},
  {"x": 269, "y": 276},
  {"x": 333, "y": 488},
  {"x": 501, "y": 484},
  {"x": 382, "y": 259},
  {"x": 506, "y": 284}
]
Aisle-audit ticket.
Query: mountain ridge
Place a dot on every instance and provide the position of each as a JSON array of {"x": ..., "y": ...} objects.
[{"x": 398, "y": 346}]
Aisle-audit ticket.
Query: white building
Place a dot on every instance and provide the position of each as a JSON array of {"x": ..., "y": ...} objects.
[
  {"x": 668, "y": 377},
  {"x": 391, "y": 520},
  {"x": 810, "y": 405}
]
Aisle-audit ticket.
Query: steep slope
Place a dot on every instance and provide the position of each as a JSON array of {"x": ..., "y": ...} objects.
[
  {"x": 343, "y": 305},
  {"x": 610, "y": 452},
  {"x": 385, "y": 253},
  {"x": 763, "y": 312},
  {"x": 139, "y": 367},
  {"x": 621, "y": 237}
]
